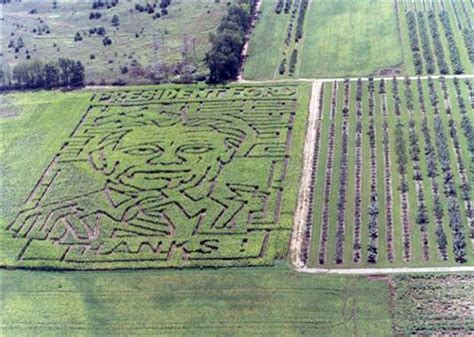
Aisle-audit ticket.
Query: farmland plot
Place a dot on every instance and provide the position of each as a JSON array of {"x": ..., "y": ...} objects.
[
  {"x": 167, "y": 177},
  {"x": 433, "y": 305},
  {"x": 393, "y": 176}
]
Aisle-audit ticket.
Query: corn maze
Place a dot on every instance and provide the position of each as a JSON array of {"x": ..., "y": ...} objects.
[
  {"x": 392, "y": 174},
  {"x": 167, "y": 177}
]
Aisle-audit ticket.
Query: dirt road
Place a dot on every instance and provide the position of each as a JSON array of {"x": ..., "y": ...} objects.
[
  {"x": 378, "y": 271},
  {"x": 303, "y": 206}
]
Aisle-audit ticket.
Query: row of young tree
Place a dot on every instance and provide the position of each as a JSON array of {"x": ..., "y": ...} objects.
[
  {"x": 453, "y": 48},
  {"x": 438, "y": 46},
  {"x": 425, "y": 41},
  {"x": 38, "y": 75},
  {"x": 291, "y": 23},
  {"x": 468, "y": 131},
  {"x": 300, "y": 22},
  {"x": 450, "y": 190},
  {"x": 328, "y": 178},
  {"x": 224, "y": 58},
  {"x": 357, "y": 246},
  {"x": 418, "y": 32},
  {"x": 282, "y": 5},
  {"x": 414, "y": 42},
  {"x": 343, "y": 175},
  {"x": 373, "y": 211},
  {"x": 387, "y": 173}
]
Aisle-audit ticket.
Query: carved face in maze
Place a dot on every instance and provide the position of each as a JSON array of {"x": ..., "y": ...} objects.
[{"x": 155, "y": 158}]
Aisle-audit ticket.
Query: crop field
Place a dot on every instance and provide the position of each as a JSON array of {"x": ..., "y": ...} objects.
[
  {"x": 438, "y": 36},
  {"x": 149, "y": 178},
  {"x": 392, "y": 174},
  {"x": 142, "y": 46},
  {"x": 274, "y": 302},
  {"x": 434, "y": 305}
]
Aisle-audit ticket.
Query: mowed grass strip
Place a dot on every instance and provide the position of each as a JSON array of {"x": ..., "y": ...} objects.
[
  {"x": 350, "y": 38},
  {"x": 240, "y": 302}
]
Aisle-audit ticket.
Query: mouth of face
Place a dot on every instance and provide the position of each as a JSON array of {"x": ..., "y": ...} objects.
[
  {"x": 160, "y": 177},
  {"x": 159, "y": 174}
]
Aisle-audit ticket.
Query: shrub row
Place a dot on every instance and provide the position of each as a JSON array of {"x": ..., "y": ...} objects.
[
  {"x": 402, "y": 160},
  {"x": 279, "y": 6},
  {"x": 291, "y": 23},
  {"x": 300, "y": 23},
  {"x": 293, "y": 61},
  {"x": 328, "y": 179},
  {"x": 414, "y": 43},
  {"x": 373, "y": 211},
  {"x": 468, "y": 35},
  {"x": 438, "y": 46},
  {"x": 341, "y": 202},
  {"x": 387, "y": 174},
  {"x": 453, "y": 48},
  {"x": 468, "y": 132},
  {"x": 425, "y": 41},
  {"x": 454, "y": 213},
  {"x": 356, "y": 249}
]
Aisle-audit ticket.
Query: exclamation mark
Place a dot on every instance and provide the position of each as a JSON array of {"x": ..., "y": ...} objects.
[{"x": 243, "y": 244}]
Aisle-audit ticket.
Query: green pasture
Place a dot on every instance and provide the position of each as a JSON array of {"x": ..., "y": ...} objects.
[
  {"x": 145, "y": 46},
  {"x": 238, "y": 302}
]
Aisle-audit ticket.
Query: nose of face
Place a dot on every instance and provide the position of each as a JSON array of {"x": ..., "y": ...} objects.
[{"x": 166, "y": 158}]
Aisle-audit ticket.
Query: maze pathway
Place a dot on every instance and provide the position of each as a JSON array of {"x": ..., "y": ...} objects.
[{"x": 165, "y": 177}]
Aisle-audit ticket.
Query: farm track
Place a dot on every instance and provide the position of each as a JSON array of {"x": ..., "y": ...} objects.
[
  {"x": 374, "y": 271},
  {"x": 353, "y": 79},
  {"x": 303, "y": 208},
  {"x": 312, "y": 80}
]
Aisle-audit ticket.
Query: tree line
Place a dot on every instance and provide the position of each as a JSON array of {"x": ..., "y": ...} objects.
[
  {"x": 225, "y": 55},
  {"x": 38, "y": 75}
]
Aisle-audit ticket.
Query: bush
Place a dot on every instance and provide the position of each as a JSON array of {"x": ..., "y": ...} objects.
[
  {"x": 35, "y": 75},
  {"x": 224, "y": 57},
  {"x": 453, "y": 48},
  {"x": 293, "y": 61},
  {"x": 107, "y": 41}
]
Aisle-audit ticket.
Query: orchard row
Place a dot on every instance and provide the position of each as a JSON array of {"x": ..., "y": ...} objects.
[{"x": 394, "y": 162}]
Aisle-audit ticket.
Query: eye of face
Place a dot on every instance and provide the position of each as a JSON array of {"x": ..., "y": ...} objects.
[
  {"x": 143, "y": 150},
  {"x": 196, "y": 149}
]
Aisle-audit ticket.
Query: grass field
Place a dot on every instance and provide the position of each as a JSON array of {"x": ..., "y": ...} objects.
[
  {"x": 433, "y": 305},
  {"x": 350, "y": 38},
  {"x": 400, "y": 189},
  {"x": 238, "y": 302},
  {"x": 340, "y": 38},
  {"x": 361, "y": 38},
  {"x": 147, "y": 48},
  {"x": 147, "y": 177}
]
